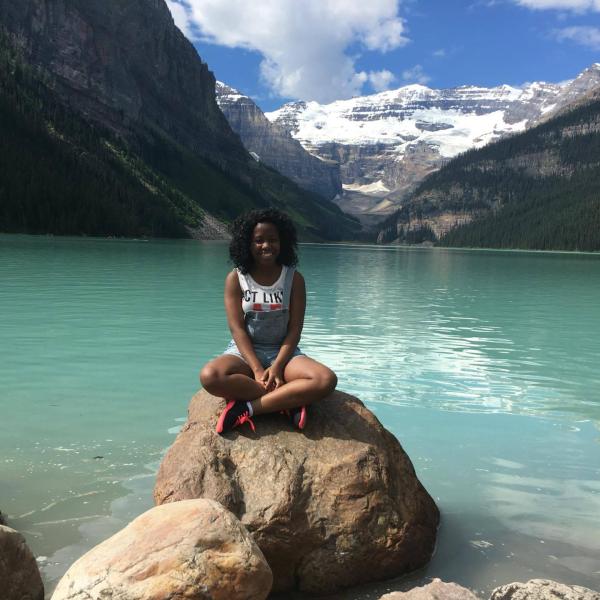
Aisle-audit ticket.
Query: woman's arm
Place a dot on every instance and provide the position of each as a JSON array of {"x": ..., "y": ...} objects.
[
  {"x": 296, "y": 323},
  {"x": 237, "y": 326}
]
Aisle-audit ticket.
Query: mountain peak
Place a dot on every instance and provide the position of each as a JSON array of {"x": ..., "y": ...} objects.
[
  {"x": 416, "y": 87},
  {"x": 592, "y": 71},
  {"x": 391, "y": 139}
]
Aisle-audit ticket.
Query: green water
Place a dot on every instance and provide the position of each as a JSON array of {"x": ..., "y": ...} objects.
[{"x": 484, "y": 364}]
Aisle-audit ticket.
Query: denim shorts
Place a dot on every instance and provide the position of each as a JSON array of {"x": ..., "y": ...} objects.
[{"x": 265, "y": 354}]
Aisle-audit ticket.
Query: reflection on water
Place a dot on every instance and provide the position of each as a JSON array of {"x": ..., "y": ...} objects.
[
  {"x": 483, "y": 364},
  {"x": 476, "y": 331}
]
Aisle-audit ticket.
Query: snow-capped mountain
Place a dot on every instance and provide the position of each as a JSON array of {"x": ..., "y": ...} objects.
[{"x": 386, "y": 143}]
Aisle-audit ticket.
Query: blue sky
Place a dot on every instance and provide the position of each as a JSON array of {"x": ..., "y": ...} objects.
[{"x": 281, "y": 50}]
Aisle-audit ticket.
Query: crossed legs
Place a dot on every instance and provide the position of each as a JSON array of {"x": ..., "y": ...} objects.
[{"x": 306, "y": 381}]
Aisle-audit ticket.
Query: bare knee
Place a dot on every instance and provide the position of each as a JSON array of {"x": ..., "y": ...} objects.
[
  {"x": 210, "y": 378},
  {"x": 326, "y": 381},
  {"x": 332, "y": 381}
]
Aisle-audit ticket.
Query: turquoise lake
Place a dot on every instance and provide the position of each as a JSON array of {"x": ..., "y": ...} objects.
[{"x": 484, "y": 364}]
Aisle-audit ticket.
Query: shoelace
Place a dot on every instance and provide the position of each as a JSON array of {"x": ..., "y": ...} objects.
[{"x": 244, "y": 418}]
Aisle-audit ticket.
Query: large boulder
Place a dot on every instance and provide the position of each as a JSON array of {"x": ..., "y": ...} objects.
[
  {"x": 543, "y": 589},
  {"x": 330, "y": 507},
  {"x": 195, "y": 550},
  {"x": 436, "y": 590},
  {"x": 19, "y": 574}
]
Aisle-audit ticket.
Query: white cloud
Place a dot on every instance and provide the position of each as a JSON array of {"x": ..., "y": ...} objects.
[
  {"x": 181, "y": 17},
  {"x": 305, "y": 44},
  {"x": 573, "y": 5},
  {"x": 441, "y": 53},
  {"x": 381, "y": 80},
  {"x": 583, "y": 35},
  {"x": 416, "y": 75}
]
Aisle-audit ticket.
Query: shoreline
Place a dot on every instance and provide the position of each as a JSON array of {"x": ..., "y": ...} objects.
[{"x": 347, "y": 244}]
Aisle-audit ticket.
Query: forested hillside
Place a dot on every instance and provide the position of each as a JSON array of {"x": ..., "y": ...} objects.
[
  {"x": 62, "y": 175},
  {"x": 153, "y": 157},
  {"x": 536, "y": 190}
]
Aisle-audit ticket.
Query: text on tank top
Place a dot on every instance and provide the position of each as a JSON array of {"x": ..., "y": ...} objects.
[{"x": 259, "y": 298}]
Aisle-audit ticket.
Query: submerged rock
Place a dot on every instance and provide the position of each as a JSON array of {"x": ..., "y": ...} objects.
[
  {"x": 336, "y": 505},
  {"x": 543, "y": 589},
  {"x": 436, "y": 590},
  {"x": 19, "y": 574},
  {"x": 194, "y": 549}
]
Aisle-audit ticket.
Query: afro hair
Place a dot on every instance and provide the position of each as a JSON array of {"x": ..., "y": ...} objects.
[{"x": 243, "y": 228}]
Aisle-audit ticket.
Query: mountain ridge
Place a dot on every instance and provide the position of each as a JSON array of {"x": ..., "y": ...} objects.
[{"x": 394, "y": 139}]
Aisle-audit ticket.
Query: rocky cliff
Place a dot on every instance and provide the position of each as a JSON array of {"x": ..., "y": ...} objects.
[
  {"x": 387, "y": 143},
  {"x": 138, "y": 93},
  {"x": 273, "y": 145},
  {"x": 124, "y": 64}
]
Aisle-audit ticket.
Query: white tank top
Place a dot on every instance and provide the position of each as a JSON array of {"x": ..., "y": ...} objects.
[{"x": 259, "y": 298}]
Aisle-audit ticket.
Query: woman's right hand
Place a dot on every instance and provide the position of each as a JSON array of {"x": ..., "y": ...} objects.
[{"x": 259, "y": 375}]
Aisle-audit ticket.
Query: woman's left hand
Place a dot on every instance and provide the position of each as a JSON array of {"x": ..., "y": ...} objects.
[{"x": 272, "y": 377}]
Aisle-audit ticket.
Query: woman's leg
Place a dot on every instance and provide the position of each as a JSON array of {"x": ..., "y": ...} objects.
[
  {"x": 228, "y": 376},
  {"x": 306, "y": 381}
]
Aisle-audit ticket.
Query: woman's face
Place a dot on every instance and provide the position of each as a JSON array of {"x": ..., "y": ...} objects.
[{"x": 265, "y": 244}]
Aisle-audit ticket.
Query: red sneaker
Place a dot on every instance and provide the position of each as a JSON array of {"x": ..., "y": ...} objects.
[
  {"x": 298, "y": 416},
  {"x": 234, "y": 415}
]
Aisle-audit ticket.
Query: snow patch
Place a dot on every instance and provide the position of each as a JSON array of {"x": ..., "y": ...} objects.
[
  {"x": 367, "y": 188},
  {"x": 466, "y": 117}
]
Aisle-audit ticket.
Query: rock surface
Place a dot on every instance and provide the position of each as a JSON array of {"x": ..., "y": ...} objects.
[
  {"x": 334, "y": 506},
  {"x": 19, "y": 574},
  {"x": 436, "y": 590},
  {"x": 194, "y": 549},
  {"x": 543, "y": 589}
]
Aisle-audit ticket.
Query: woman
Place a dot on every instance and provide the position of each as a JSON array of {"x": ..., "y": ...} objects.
[{"x": 263, "y": 370}]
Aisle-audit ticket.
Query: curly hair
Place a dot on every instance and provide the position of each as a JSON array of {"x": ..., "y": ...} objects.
[{"x": 243, "y": 228}]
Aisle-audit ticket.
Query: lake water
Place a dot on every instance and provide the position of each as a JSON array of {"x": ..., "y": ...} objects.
[{"x": 484, "y": 364}]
